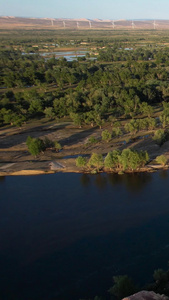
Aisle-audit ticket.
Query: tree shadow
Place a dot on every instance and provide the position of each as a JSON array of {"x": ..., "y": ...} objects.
[
  {"x": 7, "y": 141},
  {"x": 77, "y": 137}
]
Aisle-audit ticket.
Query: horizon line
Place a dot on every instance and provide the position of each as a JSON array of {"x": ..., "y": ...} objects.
[{"x": 83, "y": 18}]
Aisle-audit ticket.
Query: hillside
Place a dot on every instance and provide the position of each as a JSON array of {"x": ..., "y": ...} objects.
[{"x": 7, "y": 22}]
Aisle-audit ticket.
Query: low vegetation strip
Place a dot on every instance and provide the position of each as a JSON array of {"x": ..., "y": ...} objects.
[{"x": 116, "y": 161}]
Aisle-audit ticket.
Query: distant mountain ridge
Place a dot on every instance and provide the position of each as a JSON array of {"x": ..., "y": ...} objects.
[{"x": 12, "y": 22}]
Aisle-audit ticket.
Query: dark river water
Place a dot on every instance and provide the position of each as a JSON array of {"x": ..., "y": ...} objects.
[{"x": 64, "y": 236}]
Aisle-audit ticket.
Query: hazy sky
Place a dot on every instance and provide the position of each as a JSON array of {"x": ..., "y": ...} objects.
[{"x": 102, "y": 9}]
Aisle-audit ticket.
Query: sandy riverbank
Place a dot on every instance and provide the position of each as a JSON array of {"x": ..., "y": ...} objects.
[
  {"x": 64, "y": 166},
  {"x": 16, "y": 160}
]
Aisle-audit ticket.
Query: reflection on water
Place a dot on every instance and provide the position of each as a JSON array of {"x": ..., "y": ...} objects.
[
  {"x": 64, "y": 236},
  {"x": 100, "y": 181},
  {"x": 132, "y": 182},
  {"x": 85, "y": 180},
  {"x": 69, "y": 55},
  {"x": 2, "y": 179},
  {"x": 163, "y": 174}
]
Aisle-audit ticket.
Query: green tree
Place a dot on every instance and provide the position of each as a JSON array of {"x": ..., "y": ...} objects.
[
  {"x": 96, "y": 160},
  {"x": 160, "y": 275},
  {"x": 49, "y": 112},
  {"x": 81, "y": 161},
  {"x": 159, "y": 137},
  {"x": 77, "y": 118},
  {"x": 35, "y": 107},
  {"x": 8, "y": 116},
  {"x": 19, "y": 120},
  {"x": 112, "y": 159},
  {"x": 152, "y": 123},
  {"x": 35, "y": 145},
  {"x": 146, "y": 109},
  {"x": 164, "y": 119},
  {"x": 28, "y": 140},
  {"x": 143, "y": 123},
  {"x": 116, "y": 131},
  {"x": 123, "y": 287},
  {"x": 132, "y": 126},
  {"x": 106, "y": 135},
  {"x": 132, "y": 160},
  {"x": 99, "y": 122},
  {"x": 89, "y": 118}
]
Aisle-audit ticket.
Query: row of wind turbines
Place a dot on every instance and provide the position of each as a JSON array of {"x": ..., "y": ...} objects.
[
  {"x": 154, "y": 24},
  {"x": 133, "y": 26}
]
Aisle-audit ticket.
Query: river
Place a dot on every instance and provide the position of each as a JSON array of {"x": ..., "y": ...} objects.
[{"x": 64, "y": 236}]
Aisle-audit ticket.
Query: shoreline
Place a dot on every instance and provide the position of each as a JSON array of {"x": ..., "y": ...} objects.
[
  {"x": 68, "y": 167},
  {"x": 15, "y": 158}
]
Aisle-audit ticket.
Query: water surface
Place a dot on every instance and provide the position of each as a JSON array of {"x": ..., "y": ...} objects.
[{"x": 64, "y": 236}]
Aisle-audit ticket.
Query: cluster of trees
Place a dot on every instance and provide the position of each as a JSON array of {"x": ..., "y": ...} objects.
[
  {"x": 137, "y": 54},
  {"x": 116, "y": 160},
  {"x": 37, "y": 145},
  {"x": 88, "y": 92},
  {"x": 136, "y": 125}
]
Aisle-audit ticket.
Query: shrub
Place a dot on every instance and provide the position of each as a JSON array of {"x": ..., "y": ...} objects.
[
  {"x": 48, "y": 143},
  {"x": 161, "y": 160},
  {"x": 92, "y": 140},
  {"x": 57, "y": 145}
]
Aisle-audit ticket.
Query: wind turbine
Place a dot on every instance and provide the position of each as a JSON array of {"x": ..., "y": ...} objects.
[
  {"x": 77, "y": 25},
  {"x": 52, "y": 22},
  {"x": 133, "y": 25},
  {"x": 90, "y": 24},
  {"x": 113, "y": 24},
  {"x": 155, "y": 24},
  {"x": 64, "y": 24}
]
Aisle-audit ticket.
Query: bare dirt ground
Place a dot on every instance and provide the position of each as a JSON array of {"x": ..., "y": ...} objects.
[{"x": 16, "y": 160}]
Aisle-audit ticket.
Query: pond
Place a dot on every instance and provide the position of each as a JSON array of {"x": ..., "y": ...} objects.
[
  {"x": 69, "y": 55},
  {"x": 64, "y": 236}
]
